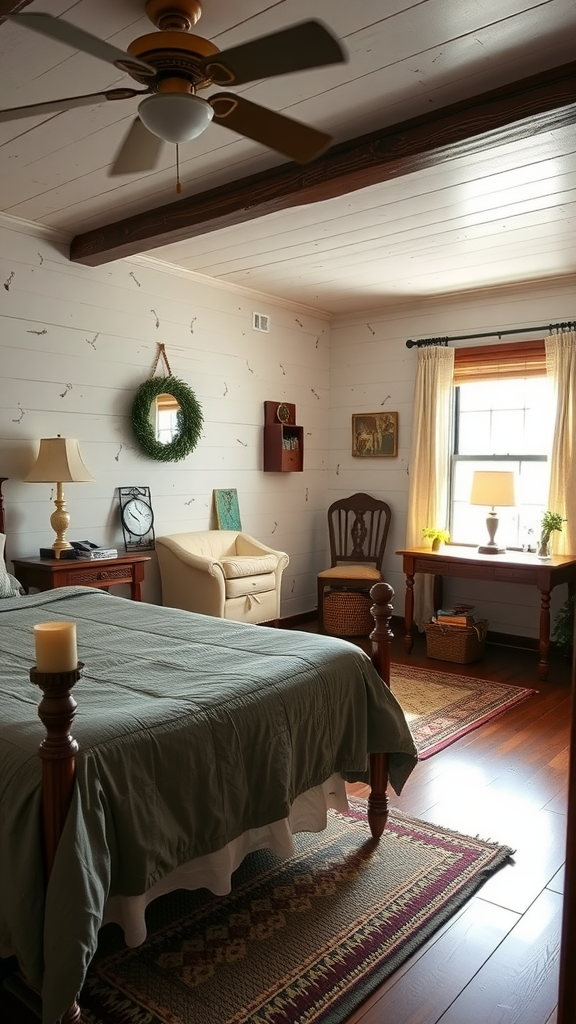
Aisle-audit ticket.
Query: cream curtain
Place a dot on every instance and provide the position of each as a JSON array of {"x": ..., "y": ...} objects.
[
  {"x": 429, "y": 460},
  {"x": 561, "y": 368}
]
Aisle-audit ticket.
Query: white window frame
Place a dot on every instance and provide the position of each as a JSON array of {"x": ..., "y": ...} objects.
[{"x": 519, "y": 527}]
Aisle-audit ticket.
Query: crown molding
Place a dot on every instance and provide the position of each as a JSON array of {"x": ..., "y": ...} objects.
[
  {"x": 165, "y": 267},
  {"x": 28, "y": 227},
  {"x": 415, "y": 305}
]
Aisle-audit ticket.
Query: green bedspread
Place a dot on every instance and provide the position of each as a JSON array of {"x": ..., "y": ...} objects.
[{"x": 191, "y": 730}]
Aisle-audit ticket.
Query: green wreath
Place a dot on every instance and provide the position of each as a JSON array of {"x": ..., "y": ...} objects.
[{"x": 189, "y": 419}]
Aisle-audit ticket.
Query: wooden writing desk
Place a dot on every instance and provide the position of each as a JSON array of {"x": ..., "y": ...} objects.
[{"x": 511, "y": 567}]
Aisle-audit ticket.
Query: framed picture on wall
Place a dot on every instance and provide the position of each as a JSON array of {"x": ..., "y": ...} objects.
[
  {"x": 227, "y": 509},
  {"x": 375, "y": 435}
]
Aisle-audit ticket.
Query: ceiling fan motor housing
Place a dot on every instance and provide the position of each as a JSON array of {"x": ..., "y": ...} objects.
[{"x": 174, "y": 55}]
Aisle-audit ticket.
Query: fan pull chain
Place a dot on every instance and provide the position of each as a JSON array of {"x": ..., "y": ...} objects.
[{"x": 178, "y": 185}]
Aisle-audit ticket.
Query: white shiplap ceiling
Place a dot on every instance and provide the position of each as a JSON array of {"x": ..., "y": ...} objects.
[{"x": 504, "y": 214}]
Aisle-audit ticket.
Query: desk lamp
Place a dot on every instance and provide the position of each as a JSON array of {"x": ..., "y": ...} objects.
[
  {"x": 59, "y": 461},
  {"x": 492, "y": 488}
]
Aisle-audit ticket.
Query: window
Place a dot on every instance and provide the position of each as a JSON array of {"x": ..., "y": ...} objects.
[{"x": 501, "y": 422}]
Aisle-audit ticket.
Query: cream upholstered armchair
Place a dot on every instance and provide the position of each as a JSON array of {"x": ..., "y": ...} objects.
[{"x": 224, "y": 573}]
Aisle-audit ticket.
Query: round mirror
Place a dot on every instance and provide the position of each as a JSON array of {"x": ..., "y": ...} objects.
[{"x": 166, "y": 419}]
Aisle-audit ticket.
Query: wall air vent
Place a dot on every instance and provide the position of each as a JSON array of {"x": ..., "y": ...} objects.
[{"x": 260, "y": 322}]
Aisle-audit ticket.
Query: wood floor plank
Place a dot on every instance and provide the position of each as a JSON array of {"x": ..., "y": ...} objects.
[
  {"x": 518, "y": 984},
  {"x": 534, "y": 863},
  {"x": 557, "y": 882},
  {"x": 421, "y": 994},
  {"x": 560, "y": 801}
]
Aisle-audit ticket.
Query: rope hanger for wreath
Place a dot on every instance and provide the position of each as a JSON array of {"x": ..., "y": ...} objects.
[
  {"x": 161, "y": 355},
  {"x": 189, "y": 416}
]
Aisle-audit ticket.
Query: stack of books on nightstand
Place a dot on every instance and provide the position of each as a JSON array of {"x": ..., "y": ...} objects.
[
  {"x": 98, "y": 553},
  {"x": 80, "y": 552}
]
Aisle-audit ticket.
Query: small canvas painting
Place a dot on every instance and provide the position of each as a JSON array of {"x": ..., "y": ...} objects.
[
  {"x": 227, "y": 509},
  {"x": 375, "y": 435}
]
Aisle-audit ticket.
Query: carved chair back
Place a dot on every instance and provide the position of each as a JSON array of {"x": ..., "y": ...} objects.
[{"x": 358, "y": 529}]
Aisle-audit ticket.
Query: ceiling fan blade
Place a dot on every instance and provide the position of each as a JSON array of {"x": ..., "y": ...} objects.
[
  {"x": 293, "y": 139},
  {"x": 78, "y": 39},
  {"x": 68, "y": 102},
  {"x": 140, "y": 151},
  {"x": 306, "y": 45}
]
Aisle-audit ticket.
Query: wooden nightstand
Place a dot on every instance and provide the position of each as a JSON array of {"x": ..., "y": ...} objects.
[{"x": 49, "y": 573}]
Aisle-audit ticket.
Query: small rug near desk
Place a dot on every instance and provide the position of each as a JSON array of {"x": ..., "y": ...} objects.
[
  {"x": 441, "y": 707},
  {"x": 299, "y": 940}
]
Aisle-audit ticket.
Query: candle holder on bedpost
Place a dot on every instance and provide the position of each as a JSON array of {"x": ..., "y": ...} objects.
[
  {"x": 381, "y": 636},
  {"x": 58, "y": 752}
]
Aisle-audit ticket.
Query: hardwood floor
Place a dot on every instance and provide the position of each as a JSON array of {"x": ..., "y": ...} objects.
[{"x": 496, "y": 962}]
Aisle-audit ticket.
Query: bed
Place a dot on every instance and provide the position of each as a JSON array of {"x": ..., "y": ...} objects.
[{"x": 198, "y": 740}]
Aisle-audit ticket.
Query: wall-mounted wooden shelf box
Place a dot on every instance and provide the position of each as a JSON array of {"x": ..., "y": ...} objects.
[{"x": 283, "y": 439}]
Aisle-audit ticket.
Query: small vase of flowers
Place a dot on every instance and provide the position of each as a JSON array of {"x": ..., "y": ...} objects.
[
  {"x": 550, "y": 521},
  {"x": 436, "y": 537}
]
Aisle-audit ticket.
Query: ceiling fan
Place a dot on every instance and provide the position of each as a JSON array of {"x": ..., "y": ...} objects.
[{"x": 173, "y": 65}]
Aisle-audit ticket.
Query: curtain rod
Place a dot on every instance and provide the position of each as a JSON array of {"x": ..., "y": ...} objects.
[{"x": 570, "y": 324}]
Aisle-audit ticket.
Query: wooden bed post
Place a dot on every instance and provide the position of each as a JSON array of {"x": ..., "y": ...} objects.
[
  {"x": 381, "y": 635},
  {"x": 2, "y": 530},
  {"x": 58, "y": 753}
]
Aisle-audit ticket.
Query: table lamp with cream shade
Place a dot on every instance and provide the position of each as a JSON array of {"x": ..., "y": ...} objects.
[
  {"x": 492, "y": 488},
  {"x": 59, "y": 462}
]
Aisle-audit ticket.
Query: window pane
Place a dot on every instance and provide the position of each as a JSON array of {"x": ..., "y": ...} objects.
[
  {"x": 507, "y": 432},
  {"x": 512, "y": 418},
  {"x": 473, "y": 425},
  {"x": 531, "y": 484},
  {"x": 469, "y": 521}
]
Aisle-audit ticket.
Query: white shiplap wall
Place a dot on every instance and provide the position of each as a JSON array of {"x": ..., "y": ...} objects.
[
  {"x": 372, "y": 370},
  {"x": 76, "y": 342}
]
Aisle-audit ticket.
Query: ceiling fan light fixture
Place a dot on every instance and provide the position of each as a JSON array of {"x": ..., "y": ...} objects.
[{"x": 175, "y": 117}]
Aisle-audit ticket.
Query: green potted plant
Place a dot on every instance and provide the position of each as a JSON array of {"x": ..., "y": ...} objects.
[
  {"x": 550, "y": 521},
  {"x": 435, "y": 536}
]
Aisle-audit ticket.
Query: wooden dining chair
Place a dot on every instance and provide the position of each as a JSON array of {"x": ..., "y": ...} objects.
[{"x": 358, "y": 530}]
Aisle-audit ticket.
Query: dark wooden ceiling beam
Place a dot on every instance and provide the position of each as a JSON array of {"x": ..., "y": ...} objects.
[
  {"x": 12, "y": 7},
  {"x": 508, "y": 114}
]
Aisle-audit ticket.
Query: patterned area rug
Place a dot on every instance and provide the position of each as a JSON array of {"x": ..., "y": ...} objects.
[
  {"x": 298, "y": 941},
  {"x": 441, "y": 707}
]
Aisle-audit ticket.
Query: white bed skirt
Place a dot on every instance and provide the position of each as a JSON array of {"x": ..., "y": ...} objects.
[{"x": 214, "y": 871}]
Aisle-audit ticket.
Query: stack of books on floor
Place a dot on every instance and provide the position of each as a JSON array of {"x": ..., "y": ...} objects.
[
  {"x": 455, "y": 635},
  {"x": 459, "y": 615}
]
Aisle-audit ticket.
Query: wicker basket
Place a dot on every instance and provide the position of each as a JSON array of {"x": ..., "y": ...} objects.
[
  {"x": 456, "y": 643},
  {"x": 347, "y": 613}
]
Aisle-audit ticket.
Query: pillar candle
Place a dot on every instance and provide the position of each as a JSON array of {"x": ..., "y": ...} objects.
[{"x": 55, "y": 644}]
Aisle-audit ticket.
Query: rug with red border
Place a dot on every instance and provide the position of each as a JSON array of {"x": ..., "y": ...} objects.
[
  {"x": 303, "y": 940},
  {"x": 441, "y": 707}
]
